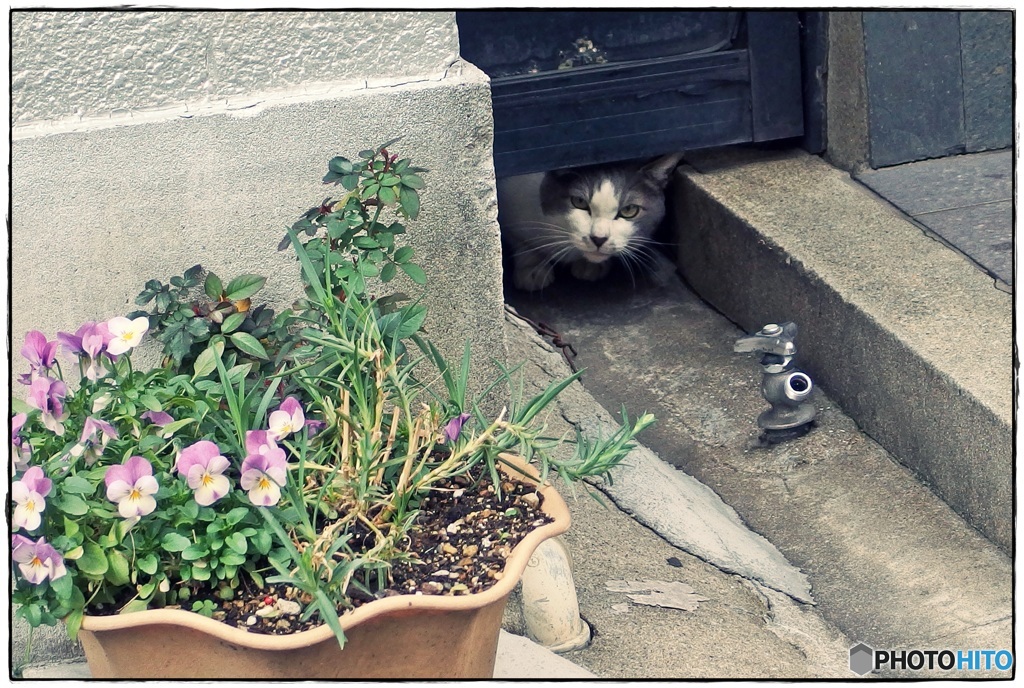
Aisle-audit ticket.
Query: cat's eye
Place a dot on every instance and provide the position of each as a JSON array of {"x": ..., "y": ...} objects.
[
  {"x": 629, "y": 211},
  {"x": 579, "y": 202}
]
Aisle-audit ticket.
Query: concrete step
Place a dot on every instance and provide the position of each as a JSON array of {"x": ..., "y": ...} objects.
[{"x": 909, "y": 337}]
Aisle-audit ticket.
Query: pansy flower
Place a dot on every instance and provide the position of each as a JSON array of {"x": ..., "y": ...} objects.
[
  {"x": 20, "y": 449},
  {"x": 95, "y": 435},
  {"x": 48, "y": 396},
  {"x": 453, "y": 429},
  {"x": 41, "y": 355},
  {"x": 131, "y": 486},
  {"x": 125, "y": 334},
  {"x": 288, "y": 418},
  {"x": 37, "y": 560},
  {"x": 264, "y": 470},
  {"x": 29, "y": 494},
  {"x": 203, "y": 468},
  {"x": 88, "y": 343}
]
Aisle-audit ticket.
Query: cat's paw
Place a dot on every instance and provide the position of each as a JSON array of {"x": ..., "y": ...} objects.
[
  {"x": 533, "y": 276},
  {"x": 585, "y": 270}
]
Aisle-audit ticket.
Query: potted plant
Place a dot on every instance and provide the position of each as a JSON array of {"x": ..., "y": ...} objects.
[{"x": 284, "y": 484}]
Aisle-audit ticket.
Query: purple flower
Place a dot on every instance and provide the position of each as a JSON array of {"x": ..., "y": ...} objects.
[
  {"x": 203, "y": 468},
  {"x": 452, "y": 431},
  {"x": 88, "y": 342},
  {"x": 131, "y": 486},
  {"x": 89, "y": 444},
  {"x": 48, "y": 396},
  {"x": 264, "y": 470},
  {"x": 40, "y": 353},
  {"x": 20, "y": 449},
  {"x": 158, "y": 418},
  {"x": 288, "y": 418},
  {"x": 28, "y": 493},
  {"x": 37, "y": 560}
]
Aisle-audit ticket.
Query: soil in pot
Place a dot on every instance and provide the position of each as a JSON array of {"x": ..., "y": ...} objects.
[{"x": 464, "y": 533}]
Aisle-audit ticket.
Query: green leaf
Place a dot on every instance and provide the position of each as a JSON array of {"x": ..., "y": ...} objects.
[
  {"x": 195, "y": 551},
  {"x": 213, "y": 287},
  {"x": 148, "y": 564},
  {"x": 368, "y": 269},
  {"x": 71, "y": 527},
  {"x": 412, "y": 320},
  {"x": 136, "y": 605},
  {"x": 365, "y": 242},
  {"x": 93, "y": 562},
  {"x": 233, "y": 517},
  {"x": 232, "y": 322},
  {"x": 412, "y": 181},
  {"x": 387, "y": 273},
  {"x": 415, "y": 273},
  {"x": 350, "y": 181},
  {"x": 232, "y": 558},
  {"x": 76, "y": 485},
  {"x": 32, "y": 613},
  {"x": 206, "y": 363},
  {"x": 243, "y": 286},
  {"x": 389, "y": 180},
  {"x": 249, "y": 344},
  {"x": 340, "y": 165},
  {"x": 173, "y": 542},
  {"x": 150, "y": 402},
  {"x": 117, "y": 571},
  {"x": 404, "y": 254},
  {"x": 72, "y": 505},
  {"x": 262, "y": 541},
  {"x": 387, "y": 195},
  {"x": 410, "y": 201},
  {"x": 177, "y": 425},
  {"x": 192, "y": 274},
  {"x": 236, "y": 541},
  {"x": 336, "y": 228}
]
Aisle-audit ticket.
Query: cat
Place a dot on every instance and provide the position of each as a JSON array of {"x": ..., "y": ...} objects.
[{"x": 583, "y": 216}]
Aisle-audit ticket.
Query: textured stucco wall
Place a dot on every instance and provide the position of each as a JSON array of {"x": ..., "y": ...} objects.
[
  {"x": 130, "y": 203},
  {"x": 87, "y": 64}
]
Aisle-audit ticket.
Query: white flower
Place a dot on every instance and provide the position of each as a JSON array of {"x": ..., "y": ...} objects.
[{"x": 126, "y": 333}]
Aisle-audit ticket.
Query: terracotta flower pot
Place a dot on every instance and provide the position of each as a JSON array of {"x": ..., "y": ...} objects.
[{"x": 406, "y": 636}]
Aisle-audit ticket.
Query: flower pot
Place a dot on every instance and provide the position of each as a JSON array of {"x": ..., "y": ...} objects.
[{"x": 405, "y": 636}]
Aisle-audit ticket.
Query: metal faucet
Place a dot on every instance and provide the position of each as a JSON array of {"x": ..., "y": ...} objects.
[{"x": 786, "y": 388}]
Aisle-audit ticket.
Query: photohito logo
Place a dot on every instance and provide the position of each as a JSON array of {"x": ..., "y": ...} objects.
[{"x": 864, "y": 659}]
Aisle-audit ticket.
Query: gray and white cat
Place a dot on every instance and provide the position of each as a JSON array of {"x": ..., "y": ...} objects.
[{"x": 583, "y": 217}]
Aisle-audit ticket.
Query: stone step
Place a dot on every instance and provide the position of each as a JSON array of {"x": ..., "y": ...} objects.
[{"x": 909, "y": 337}]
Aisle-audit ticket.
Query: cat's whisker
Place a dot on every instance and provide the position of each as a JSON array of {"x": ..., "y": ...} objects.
[
  {"x": 537, "y": 224},
  {"x": 554, "y": 243}
]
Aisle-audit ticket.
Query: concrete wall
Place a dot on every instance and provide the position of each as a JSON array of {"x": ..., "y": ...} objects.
[
  {"x": 146, "y": 142},
  {"x": 906, "y": 86}
]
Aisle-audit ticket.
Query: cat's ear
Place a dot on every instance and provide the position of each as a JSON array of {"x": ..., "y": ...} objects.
[{"x": 659, "y": 169}]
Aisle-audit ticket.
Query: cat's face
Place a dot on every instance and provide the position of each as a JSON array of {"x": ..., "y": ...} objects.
[{"x": 609, "y": 210}]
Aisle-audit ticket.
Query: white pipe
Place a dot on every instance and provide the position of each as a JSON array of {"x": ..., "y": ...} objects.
[{"x": 550, "y": 607}]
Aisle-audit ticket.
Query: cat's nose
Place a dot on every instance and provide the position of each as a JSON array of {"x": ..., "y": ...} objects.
[{"x": 598, "y": 241}]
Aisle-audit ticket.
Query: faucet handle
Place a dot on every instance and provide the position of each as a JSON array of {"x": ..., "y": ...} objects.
[{"x": 772, "y": 339}]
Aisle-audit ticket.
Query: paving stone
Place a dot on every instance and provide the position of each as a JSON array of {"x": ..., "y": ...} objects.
[
  {"x": 944, "y": 183},
  {"x": 983, "y": 232}
]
